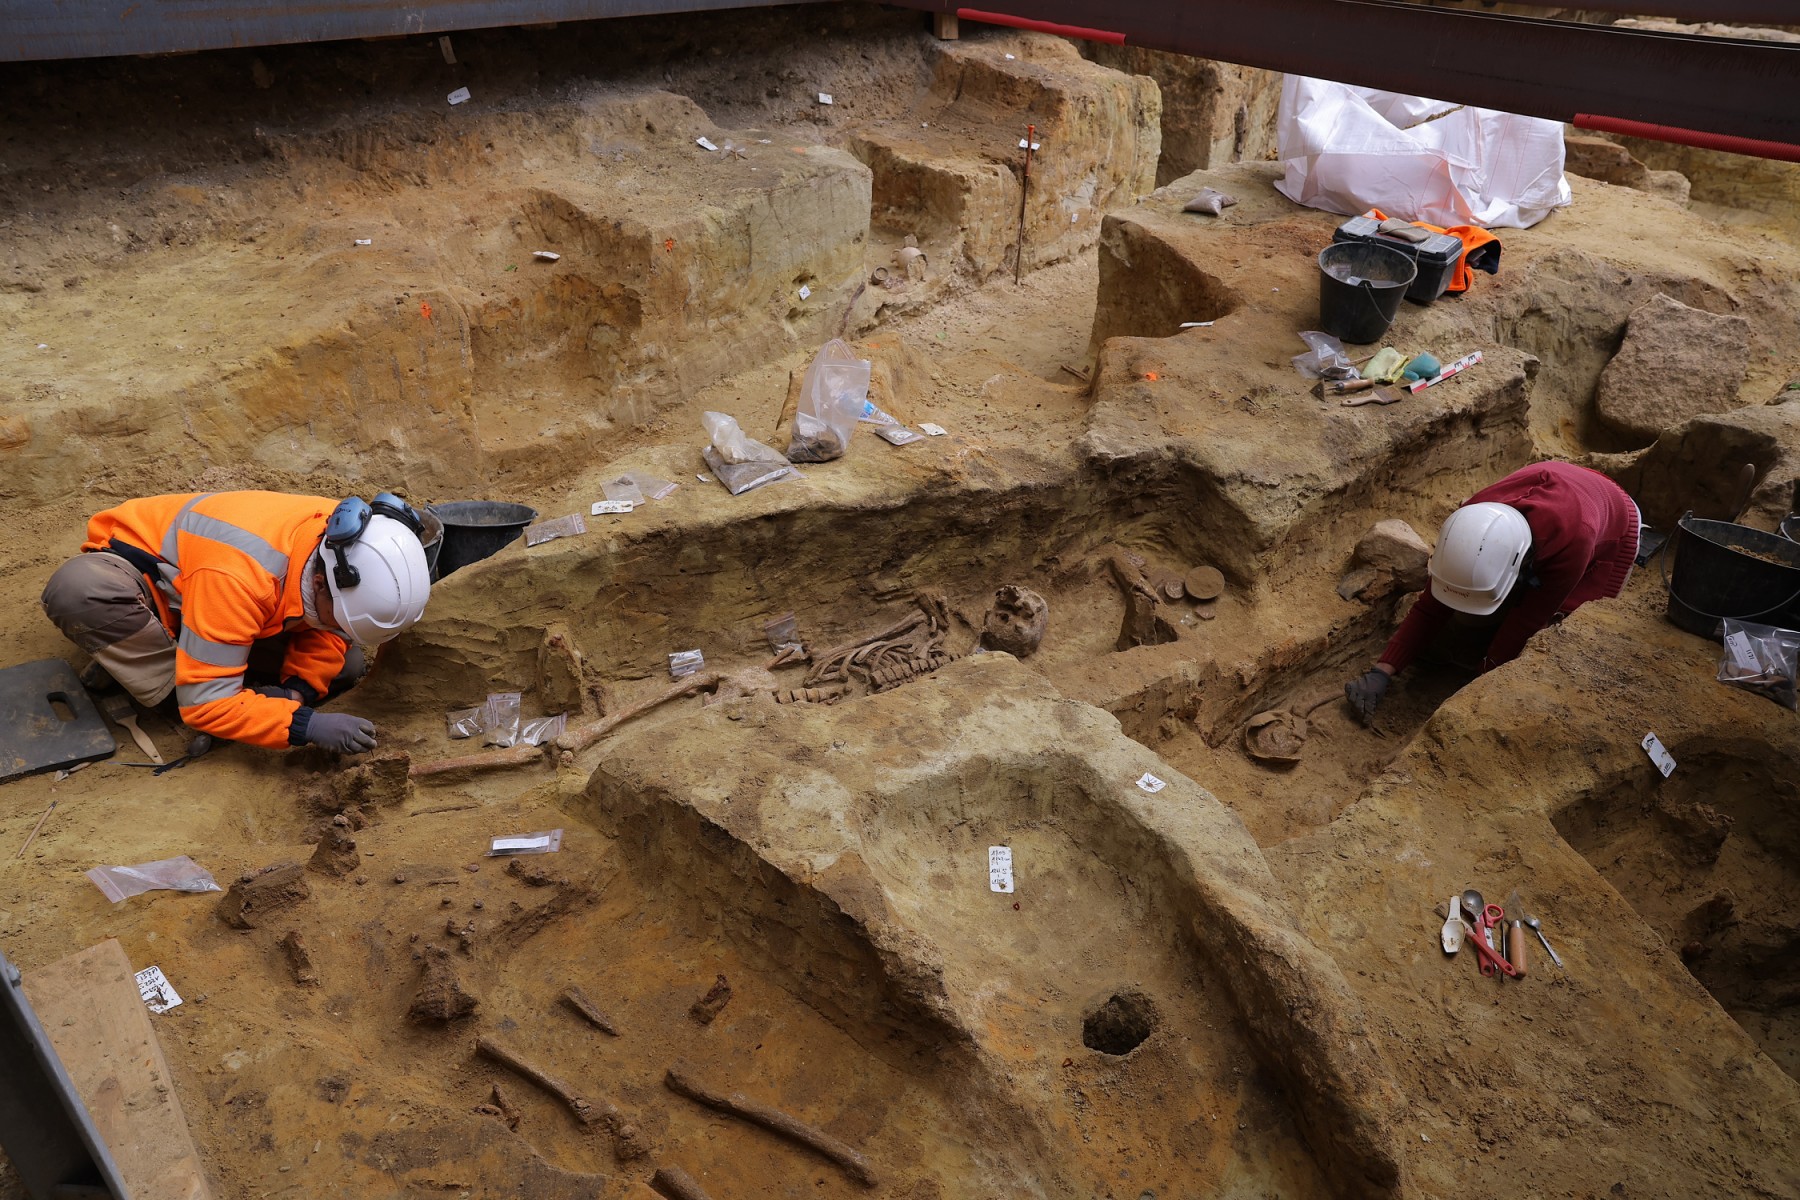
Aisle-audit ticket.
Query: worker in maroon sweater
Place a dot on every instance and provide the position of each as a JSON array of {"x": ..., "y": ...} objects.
[{"x": 1524, "y": 552}]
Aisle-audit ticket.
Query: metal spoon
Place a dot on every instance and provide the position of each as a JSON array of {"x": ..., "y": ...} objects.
[
  {"x": 1536, "y": 927},
  {"x": 1475, "y": 906}
]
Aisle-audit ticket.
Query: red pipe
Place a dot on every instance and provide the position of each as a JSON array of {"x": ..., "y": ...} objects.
[
  {"x": 1784, "y": 151},
  {"x": 1068, "y": 31}
]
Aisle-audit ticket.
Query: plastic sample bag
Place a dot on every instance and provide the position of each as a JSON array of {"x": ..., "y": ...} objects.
[
  {"x": 1326, "y": 359},
  {"x": 1349, "y": 149},
  {"x": 738, "y": 461},
  {"x": 500, "y": 719},
  {"x": 544, "y": 841},
  {"x": 1762, "y": 659},
  {"x": 464, "y": 722},
  {"x": 539, "y": 730},
  {"x": 834, "y": 395},
  {"x": 181, "y": 874}
]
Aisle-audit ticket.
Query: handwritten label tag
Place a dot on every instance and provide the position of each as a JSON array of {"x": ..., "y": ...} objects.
[
  {"x": 1150, "y": 783},
  {"x": 805, "y": 292},
  {"x": 824, "y": 97},
  {"x": 1654, "y": 748},
  {"x": 1000, "y": 876},
  {"x": 704, "y": 144},
  {"x": 158, "y": 993},
  {"x": 931, "y": 430},
  {"x": 365, "y": 241},
  {"x": 459, "y": 96},
  {"x": 602, "y": 507},
  {"x": 1742, "y": 656}
]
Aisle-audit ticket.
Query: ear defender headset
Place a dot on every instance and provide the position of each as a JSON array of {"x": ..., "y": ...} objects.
[{"x": 351, "y": 517}]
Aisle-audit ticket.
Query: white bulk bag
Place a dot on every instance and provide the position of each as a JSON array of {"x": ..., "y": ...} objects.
[{"x": 1349, "y": 149}]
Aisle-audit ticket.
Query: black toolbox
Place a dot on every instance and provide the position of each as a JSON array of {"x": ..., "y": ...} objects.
[{"x": 1437, "y": 255}]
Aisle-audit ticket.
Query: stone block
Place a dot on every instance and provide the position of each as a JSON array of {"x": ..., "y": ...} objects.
[{"x": 1676, "y": 362}]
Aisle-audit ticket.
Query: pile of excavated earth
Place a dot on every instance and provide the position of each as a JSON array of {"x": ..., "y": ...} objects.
[{"x": 1059, "y": 627}]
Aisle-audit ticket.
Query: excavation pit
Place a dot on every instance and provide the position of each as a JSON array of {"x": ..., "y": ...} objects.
[
  {"x": 1710, "y": 858},
  {"x": 1120, "y": 1025},
  {"x": 826, "y": 845}
]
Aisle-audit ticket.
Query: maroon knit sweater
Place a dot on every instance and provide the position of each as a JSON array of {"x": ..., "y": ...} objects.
[{"x": 1584, "y": 537}]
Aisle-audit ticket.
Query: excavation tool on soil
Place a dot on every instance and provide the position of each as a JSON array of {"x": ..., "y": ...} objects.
[
  {"x": 775, "y": 1121},
  {"x": 1279, "y": 735},
  {"x": 1514, "y": 946},
  {"x": 1030, "y": 143},
  {"x": 1481, "y": 918},
  {"x": 1537, "y": 927},
  {"x": 1452, "y": 934},
  {"x": 119, "y": 709},
  {"x": 1398, "y": 392}
]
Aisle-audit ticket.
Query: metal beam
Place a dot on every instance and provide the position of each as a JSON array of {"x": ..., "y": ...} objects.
[
  {"x": 44, "y": 1126},
  {"x": 1724, "y": 12},
  {"x": 1554, "y": 69},
  {"x": 41, "y": 29}
]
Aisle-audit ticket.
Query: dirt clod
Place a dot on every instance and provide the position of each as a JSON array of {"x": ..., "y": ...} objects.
[
  {"x": 336, "y": 854},
  {"x": 707, "y": 1008},
  {"x": 299, "y": 959},
  {"x": 440, "y": 996},
  {"x": 257, "y": 895}
]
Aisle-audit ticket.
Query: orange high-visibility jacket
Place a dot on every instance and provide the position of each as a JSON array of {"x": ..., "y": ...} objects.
[{"x": 230, "y": 572}]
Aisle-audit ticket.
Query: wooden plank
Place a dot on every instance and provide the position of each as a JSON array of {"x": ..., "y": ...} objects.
[
  {"x": 946, "y": 26},
  {"x": 88, "y": 1004}
]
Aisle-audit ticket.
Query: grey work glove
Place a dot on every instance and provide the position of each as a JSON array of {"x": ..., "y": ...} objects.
[
  {"x": 1365, "y": 692},
  {"x": 276, "y": 693},
  {"x": 341, "y": 732}
]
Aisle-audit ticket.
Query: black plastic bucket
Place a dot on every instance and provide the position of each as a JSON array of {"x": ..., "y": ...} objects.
[
  {"x": 1361, "y": 285},
  {"x": 477, "y": 529},
  {"x": 1726, "y": 570}
]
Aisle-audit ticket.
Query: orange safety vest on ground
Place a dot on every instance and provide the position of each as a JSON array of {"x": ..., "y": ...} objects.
[
  {"x": 229, "y": 572},
  {"x": 1473, "y": 240}
]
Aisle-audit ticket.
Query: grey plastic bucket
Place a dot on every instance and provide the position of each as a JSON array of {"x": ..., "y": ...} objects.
[
  {"x": 1361, "y": 285},
  {"x": 477, "y": 529}
]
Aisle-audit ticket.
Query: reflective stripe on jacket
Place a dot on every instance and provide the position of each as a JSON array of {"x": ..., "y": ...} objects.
[{"x": 231, "y": 570}]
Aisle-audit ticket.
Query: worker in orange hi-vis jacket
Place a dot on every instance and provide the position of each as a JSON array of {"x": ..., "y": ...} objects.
[{"x": 250, "y": 607}]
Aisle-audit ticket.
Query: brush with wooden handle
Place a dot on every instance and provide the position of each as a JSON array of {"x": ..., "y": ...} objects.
[{"x": 119, "y": 708}]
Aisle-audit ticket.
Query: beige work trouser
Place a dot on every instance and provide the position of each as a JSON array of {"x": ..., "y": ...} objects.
[{"x": 103, "y": 605}]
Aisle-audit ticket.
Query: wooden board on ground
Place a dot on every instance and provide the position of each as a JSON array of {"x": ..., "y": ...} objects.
[{"x": 88, "y": 1004}]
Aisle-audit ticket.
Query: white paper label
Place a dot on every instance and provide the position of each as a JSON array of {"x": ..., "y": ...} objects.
[
  {"x": 1654, "y": 748},
  {"x": 1150, "y": 783},
  {"x": 824, "y": 97},
  {"x": 704, "y": 144},
  {"x": 1742, "y": 656},
  {"x": 1024, "y": 145},
  {"x": 927, "y": 428},
  {"x": 365, "y": 241},
  {"x": 546, "y": 255},
  {"x": 805, "y": 292},
  {"x": 1000, "y": 877},
  {"x": 459, "y": 96},
  {"x": 158, "y": 993},
  {"x": 601, "y": 507}
]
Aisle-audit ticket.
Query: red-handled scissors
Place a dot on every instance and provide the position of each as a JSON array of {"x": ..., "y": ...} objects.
[{"x": 1491, "y": 960}]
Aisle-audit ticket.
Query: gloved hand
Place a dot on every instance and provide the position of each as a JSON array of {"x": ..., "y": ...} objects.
[
  {"x": 276, "y": 693},
  {"x": 341, "y": 732},
  {"x": 1365, "y": 692}
]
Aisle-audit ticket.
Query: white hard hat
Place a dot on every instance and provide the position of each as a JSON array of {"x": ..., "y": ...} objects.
[
  {"x": 394, "y": 583},
  {"x": 1479, "y": 556}
]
